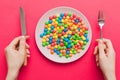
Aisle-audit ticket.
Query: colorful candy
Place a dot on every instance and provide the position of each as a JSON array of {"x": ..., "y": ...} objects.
[{"x": 65, "y": 34}]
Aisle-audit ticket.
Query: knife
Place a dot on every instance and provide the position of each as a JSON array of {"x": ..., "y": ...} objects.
[{"x": 23, "y": 29}]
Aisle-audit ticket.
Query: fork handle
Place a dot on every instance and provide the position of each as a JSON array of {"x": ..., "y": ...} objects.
[{"x": 101, "y": 34}]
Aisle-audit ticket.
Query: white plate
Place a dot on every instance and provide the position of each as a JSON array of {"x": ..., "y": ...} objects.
[{"x": 40, "y": 28}]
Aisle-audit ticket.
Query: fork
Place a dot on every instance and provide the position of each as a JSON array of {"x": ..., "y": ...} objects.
[{"x": 101, "y": 21}]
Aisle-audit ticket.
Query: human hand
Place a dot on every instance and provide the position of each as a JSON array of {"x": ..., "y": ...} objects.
[
  {"x": 15, "y": 56},
  {"x": 105, "y": 58}
]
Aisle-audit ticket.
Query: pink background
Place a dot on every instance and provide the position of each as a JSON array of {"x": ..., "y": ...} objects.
[{"x": 40, "y": 68}]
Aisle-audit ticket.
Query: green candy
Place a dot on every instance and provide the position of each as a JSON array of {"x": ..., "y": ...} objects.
[
  {"x": 76, "y": 35},
  {"x": 86, "y": 32},
  {"x": 75, "y": 42},
  {"x": 72, "y": 49},
  {"x": 78, "y": 38},
  {"x": 66, "y": 55},
  {"x": 43, "y": 44},
  {"x": 57, "y": 19},
  {"x": 59, "y": 24},
  {"x": 60, "y": 55},
  {"x": 46, "y": 23},
  {"x": 73, "y": 37},
  {"x": 64, "y": 47},
  {"x": 65, "y": 25},
  {"x": 83, "y": 47},
  {"x": 69, "y": 14},
  {"x": 62, "y": 37},
  {"x": 72, "y": 44},
  {"x": 59, "y": 31},
  {"x": 85, "y": 42},
  {"x": 48, "y": 32},
  {"x": 74, "y": 52},
  {"x": 66, "y": 44},
  {"x": 47, "y": 43},
  {"x": 59, "y": 48}
]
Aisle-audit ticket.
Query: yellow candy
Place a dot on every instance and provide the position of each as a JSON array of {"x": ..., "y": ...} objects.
[
  {"x": 70, "y": 51},
  {"x": 70, "y": 32},
  {"x": 56, "y": 37},
  {"x": 58, "y": 28},
  {"x": 62, "y": 20},
  {"x": 53, "y": 20},
  {"x": 66, "y": 20},
  {"x": 49, "y": 25},
  {"x": 83, "y": 37},
  {"x": 49, "y": 29},
  {"x": 65, "y": 35},
  {"x": 67, "y": 17},
  {"x": 74, "y": 26},
  {"x": 56, "y": 22},
  {"x": 43, "y": 40},
  {"x": 56, "y": 46},
  {"x": 81, "y": 30},
  {"x": 44, "y": 37}
]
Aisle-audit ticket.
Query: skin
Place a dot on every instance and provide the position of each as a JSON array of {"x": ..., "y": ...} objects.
[
  {"x": 15, "y": 56},
  {"x": 105, "y": 58},
  {"x": 18, "y": 48}
]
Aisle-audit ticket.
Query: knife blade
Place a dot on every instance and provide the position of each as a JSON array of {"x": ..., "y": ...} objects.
[
  {"x": 22, "y": 20},
  {"x": 23, "y": 29}
]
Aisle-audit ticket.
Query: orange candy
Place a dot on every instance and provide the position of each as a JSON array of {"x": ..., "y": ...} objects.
[{"x": 70, "y": 55}]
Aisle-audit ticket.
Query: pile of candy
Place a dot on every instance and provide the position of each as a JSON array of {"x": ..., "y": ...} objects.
[{"x": 65, "y": 34}]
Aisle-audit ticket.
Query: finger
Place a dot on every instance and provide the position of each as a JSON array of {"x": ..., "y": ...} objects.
[
  {"x": 28, "y": 55},
  {"x": 27, "y": 46},
  {"x": 98, "y": 64},
  {"x": 101, "y": 48},
  {"x": 22, "y": 45},
  {"x": 27, "y": 51},
  {"x": 96, "y": 50},
  {"x": 16, "y": 41},
  {"x": 108, "y": 43},
  {"x": 97, "y": 58}
]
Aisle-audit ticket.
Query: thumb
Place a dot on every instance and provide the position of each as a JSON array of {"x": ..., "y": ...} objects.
[{"x": 22, "y": 45}]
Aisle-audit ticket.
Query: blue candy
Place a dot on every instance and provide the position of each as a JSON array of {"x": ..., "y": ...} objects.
[
  {"x": 50, "y": 21},
  {"x": 76, "y": 20},
  {"x": 69, "y": 46},
  {"x": 61, "y": 14},
  {"x": 52, "y": 27},
  {"x": 69, "y": 36},
  {"x": 78, "y": 29},
  {"x": 50, "y": 38},
  {"x": 87, "y": 39},
  {"x": 60, "y": 18},
  {"x": 66, "y": 39},
  {"x": 65, "y": 30},
  {"x": 45, "y": 29},
  {"x": 41, "y": 35},
  {"x": 67, "y": 52},
  {"x": 57, "y": 52},
  {"x": 69, "y": 41},
  {"x": 85, "y": 35},
  {"x": 44, "y": 33}
]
